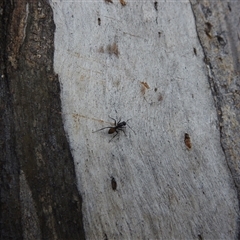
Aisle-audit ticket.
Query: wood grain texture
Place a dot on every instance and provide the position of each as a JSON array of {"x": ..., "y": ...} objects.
[
  {"x": 222, "y": 54},
  {"x": 165, "y": 190}
]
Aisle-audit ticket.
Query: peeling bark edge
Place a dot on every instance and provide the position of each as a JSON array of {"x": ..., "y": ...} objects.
[
  {"x": 39, "y": 196},
  {"x": 210, "y": 13}
]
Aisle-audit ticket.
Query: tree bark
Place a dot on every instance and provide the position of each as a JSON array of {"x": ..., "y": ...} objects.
[
  {"x": 39, "y": 197},
  {"x": 217, "y": 25},
  {"x": 173, "y": 68},
  {"x": 148, "y": 61}
]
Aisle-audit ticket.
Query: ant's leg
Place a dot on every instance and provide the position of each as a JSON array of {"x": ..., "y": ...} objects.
[
  {"x": 119, "y": 121},
  {"x": 122, "y": 131},
  {"x": 114, "y": 136},
  {"x": 131, "y": 128},
  {"x": 115, "y": 123},
  {"x": 100, "y": 129}
]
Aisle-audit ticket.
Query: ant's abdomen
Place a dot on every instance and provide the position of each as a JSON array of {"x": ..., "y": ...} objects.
[{"x": 111, "y": 130}]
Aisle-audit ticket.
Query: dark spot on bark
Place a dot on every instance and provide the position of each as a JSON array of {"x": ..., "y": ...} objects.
[
  {"x": 206, "y": 11},
  {"x": 105, "y": 236},
  {"x": 113, "y": 49},
  {"x": 208, "y": 28},
  {"x": 200, "y": 237},
  {"x": 195, "y": 51},
  {"x": 229, "y": 7},
  {"x": 187, "y": 141},
  {"x": 156, "y": 5},
  {"x": 113, "y": 183},
  {"x": 123, "y": 2},
  {"x": 221, "y": 41},
  {"x": 160, "y": 97}
]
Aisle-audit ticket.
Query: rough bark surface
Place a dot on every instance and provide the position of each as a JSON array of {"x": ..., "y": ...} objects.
[
  {"x": 217, "y": 25},
  {"x": 176, "y": 77},
  {"x": 39, "y": 197},
  {"x": 143, "y": 60}
]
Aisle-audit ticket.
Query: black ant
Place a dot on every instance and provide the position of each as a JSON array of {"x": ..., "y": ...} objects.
[{"x": 118, "y": 126}]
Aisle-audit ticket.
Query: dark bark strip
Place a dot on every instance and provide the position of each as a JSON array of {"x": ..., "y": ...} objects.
[
  {"x": 36, "y": 164},
  {"x": 10, "y": 218}
]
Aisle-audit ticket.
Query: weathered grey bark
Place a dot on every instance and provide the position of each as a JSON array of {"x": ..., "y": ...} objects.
[
  {"x": 145, "y": 60},
  {"x": 39, "y": 197},
  {"x": 171, "y": 180},
  {"x": 217, "y": 25}
]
